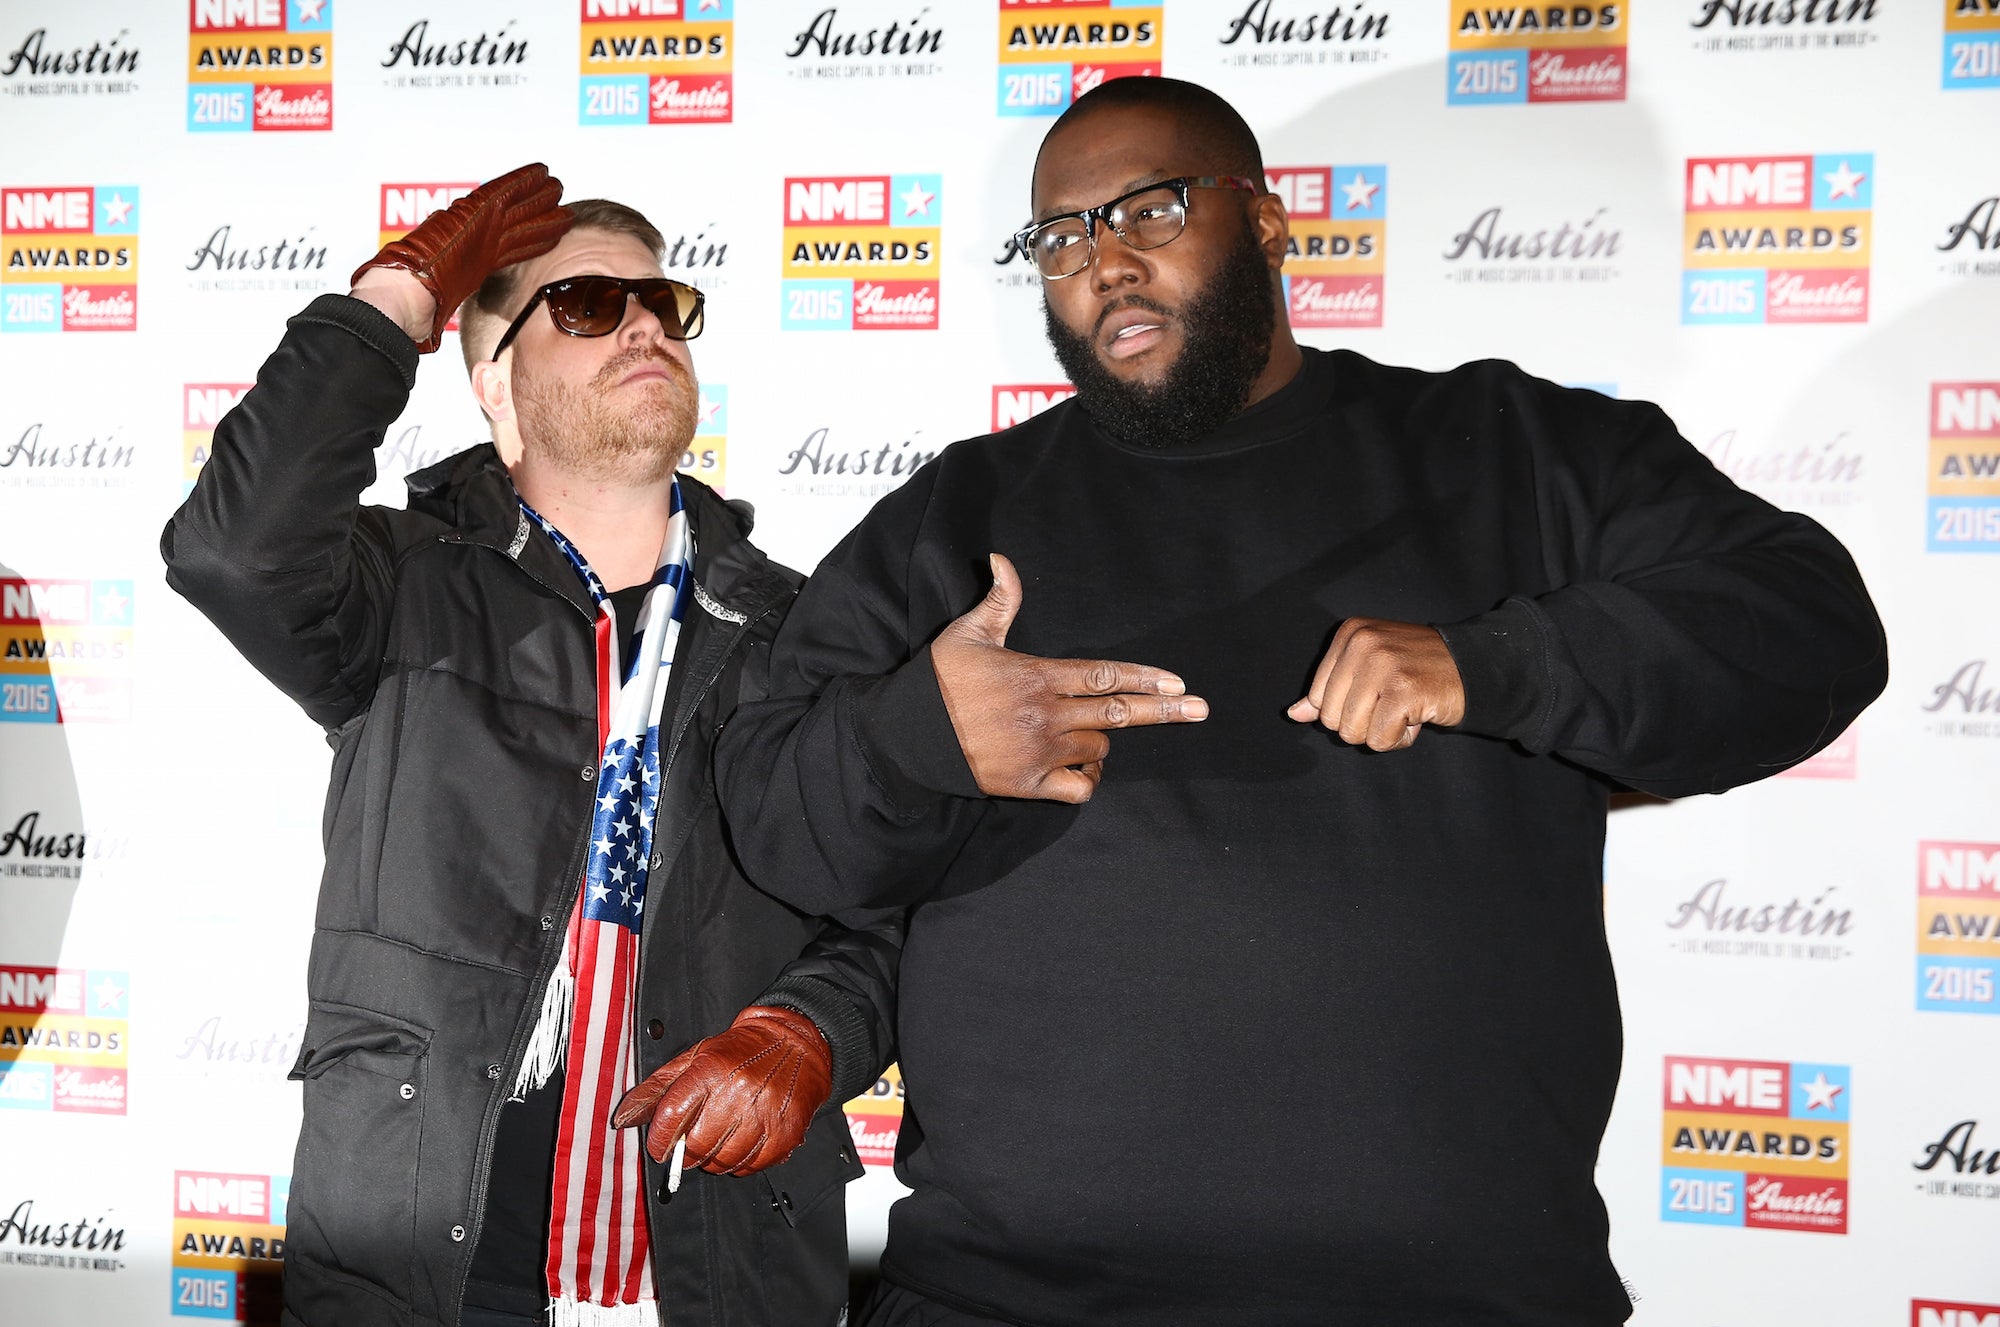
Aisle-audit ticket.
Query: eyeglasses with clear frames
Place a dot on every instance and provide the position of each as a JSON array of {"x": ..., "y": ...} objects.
[{"x": 1146, "y": 218}]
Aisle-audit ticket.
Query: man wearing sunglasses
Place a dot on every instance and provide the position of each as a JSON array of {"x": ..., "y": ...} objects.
[
  {"x": 1291, "y": 1005},
  {"x": 529, "y": 903}
]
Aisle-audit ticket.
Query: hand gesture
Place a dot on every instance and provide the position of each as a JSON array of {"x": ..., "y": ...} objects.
[
  {"x": 1035, "y": 727},
  {"x": 743, "y": 1097},
  {"x": 504, "y": 221},
  {"x": 1381, "y": 682}
]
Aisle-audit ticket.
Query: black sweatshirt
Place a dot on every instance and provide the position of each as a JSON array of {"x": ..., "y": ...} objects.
[{"x": 1278, "y": 1030}]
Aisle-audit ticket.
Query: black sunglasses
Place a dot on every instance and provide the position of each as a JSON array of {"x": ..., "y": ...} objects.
[
  {"x": 595, "y": 306},
  {"x": 1145, "y": 218}
]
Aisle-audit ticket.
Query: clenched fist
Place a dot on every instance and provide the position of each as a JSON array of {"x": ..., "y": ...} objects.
[
  {"x": 743, "y": 1097},
  {"x": 504, "y": 221},
  {"x": 1381, "y": 682},
  {"x": 1035, "y": 727}
]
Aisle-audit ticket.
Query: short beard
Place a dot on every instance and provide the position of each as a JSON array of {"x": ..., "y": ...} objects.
[
  {"x": 1225, "y": 343},
  {"x": 577, "y": 430}
]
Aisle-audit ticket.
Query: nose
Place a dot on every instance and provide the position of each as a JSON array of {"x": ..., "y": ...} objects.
[
  {"x": 1113, "y": 262},
  {"x": 641, "y": 324}
]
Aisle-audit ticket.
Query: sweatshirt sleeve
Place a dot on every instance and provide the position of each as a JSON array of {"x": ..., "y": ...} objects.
[
  {"x": 1696, "y": 637},
  {"x": 273, "y": 545},
  {"x": 846, "y": 788}
]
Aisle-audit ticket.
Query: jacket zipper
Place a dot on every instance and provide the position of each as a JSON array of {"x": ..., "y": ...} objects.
[
  {"x": 482, "y": 1162},
  {"x": 692, "y": 705}
]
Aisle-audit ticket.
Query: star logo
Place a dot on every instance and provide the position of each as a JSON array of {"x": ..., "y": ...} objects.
[
  {"x": 1842, "y": 183},
  {"x": 627, "y": 783},
  {"x": 113, "y": 606},
  {"x": 604, "y": 846},
  {"x": 599, "y": 893},
  {"x": 116, "y": 209},
  {"x": 609, "y": 801},
  {"x": 916, "y": 203},
  {"x": 1820, "y": 1093},
  {"x": 108, "y": 993},
  {"x": 1359, "y": 193},
  {"x": 309, "y": 10}
]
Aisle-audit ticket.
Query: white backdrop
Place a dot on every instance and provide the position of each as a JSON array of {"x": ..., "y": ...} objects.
[{"x": 1810, "y": 958}]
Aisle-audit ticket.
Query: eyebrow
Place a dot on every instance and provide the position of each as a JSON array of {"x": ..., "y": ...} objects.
[{"x": 1136, "y": 182}]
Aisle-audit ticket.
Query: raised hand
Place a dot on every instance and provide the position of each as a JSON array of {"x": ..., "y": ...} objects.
[
  {"x": 743, "y": 1097},
  {"x": 1035, "y": 727},
  {"x": 504, "y": 221},
  {"x": 1381, "y": 682}
]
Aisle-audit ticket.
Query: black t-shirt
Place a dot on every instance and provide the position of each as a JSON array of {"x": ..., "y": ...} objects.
[{"x": 507, "y": 1269}]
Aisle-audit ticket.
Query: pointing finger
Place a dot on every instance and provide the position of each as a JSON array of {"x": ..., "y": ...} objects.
[
  {"x": 1106, "y": 677},
  {"x": 1125, "y": 710}
]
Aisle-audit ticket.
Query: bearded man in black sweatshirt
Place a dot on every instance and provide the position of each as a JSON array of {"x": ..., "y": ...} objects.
[{"x": 1292, "y": 1004}]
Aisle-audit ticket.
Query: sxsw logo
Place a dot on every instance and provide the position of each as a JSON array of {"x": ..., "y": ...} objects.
[{"x": 1016, "y": 403}]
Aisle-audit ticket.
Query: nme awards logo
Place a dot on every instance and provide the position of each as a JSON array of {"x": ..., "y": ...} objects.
[
  {"x": 1778, "y": 239},
  {"x": 1958, "y": 926},
  {"x": 1054, "y": 51},
  {"x": 1964, "y": 473},
  {"x": 63, "y": 1040},
  {"x": 875, "y": 1119},
  {"x": 67, "y": 652},
  {"x": 406, "y": 206},
  {"x": 1838, "y": 759},
  {"x": 1334, "y": 263},
  {"x": 707, "y": 456},
  {"x": 1953, "y": 1313},
  {"x": 259, "y": 65},
  {"x": 1971, "y": 44},
  {"x": 45, "y": 67},
  {"x": 1755, "y": 1143},
  {"x": 229, "y": 1244},
  {"x": 1269, "y": 36},
  {"x": 658, "y": 62},
  {"x": 1512, "y": 55},
  {"x": 861, "y": 253},
  {"x": 202, "y": 405},
  {"x": 69, "y": 259},
  {"x": 1017, "y": 403}
]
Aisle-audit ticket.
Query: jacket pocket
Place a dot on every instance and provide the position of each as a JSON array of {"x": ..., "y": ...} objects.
[
  {"x": 823, "y": 1163},
  {"x": 354, "y": 1182}
]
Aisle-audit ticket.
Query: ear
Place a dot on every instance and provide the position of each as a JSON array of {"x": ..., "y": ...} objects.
[
  {"x": 493, "y": 385},
  {"x": 1273, "y": 227}
]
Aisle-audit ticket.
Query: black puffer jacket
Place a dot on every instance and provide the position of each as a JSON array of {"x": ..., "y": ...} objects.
[{"x": 447, "y": 650}]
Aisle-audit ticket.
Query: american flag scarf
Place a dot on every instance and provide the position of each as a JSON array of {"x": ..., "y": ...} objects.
[{"x": 599, "y": 1272}]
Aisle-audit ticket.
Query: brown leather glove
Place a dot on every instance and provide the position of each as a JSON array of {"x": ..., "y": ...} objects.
[
  {"x": 504, "y": 221},
  {"x": 743, "y": 1097}
]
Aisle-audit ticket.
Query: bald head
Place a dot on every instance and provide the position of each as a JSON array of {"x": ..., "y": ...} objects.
[{"x": 1206, "y": 129}]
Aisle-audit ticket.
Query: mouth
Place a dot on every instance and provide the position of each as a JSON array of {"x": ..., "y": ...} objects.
[
  {"x": 651, "y": 368},
  {"x": 1131, "y": 332}
]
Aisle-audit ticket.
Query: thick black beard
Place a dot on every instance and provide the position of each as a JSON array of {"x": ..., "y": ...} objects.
[{"x": 1226, "y": 341}]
